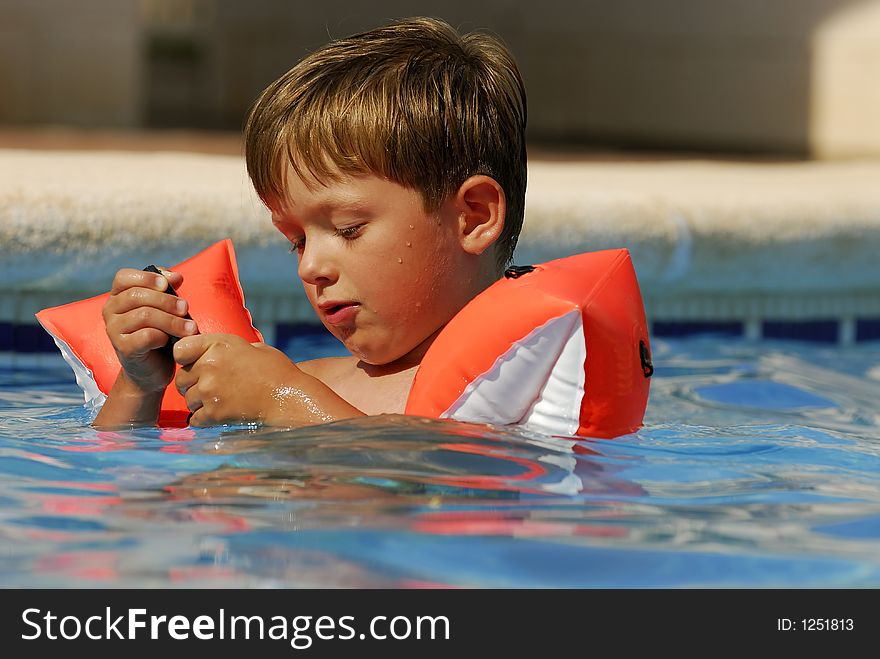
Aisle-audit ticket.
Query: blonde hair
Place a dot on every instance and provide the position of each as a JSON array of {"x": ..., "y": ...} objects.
[{"x": 413, "y": 101}]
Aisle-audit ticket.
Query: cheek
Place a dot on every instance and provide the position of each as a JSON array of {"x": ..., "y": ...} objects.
[
  {"x": 408, "y": 273},
  {"x": 424, "y": 279},
  {"x": 311, "y": 292}
]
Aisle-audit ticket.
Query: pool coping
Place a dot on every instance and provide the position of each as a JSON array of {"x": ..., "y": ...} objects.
[{"x": 768, "y": 248}]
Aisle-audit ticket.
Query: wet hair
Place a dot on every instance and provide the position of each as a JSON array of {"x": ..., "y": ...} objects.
[{"x": 414, "y": 102}]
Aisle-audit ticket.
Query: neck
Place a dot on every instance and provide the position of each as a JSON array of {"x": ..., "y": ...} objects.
[{"x": 410, "y": 360}]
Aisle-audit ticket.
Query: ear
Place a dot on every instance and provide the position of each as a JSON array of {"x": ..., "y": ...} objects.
[{"x": 481, "y": 207}]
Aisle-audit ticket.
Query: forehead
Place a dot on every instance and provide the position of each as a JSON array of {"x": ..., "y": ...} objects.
[
  {"x": 301, "y": 187},
  {"x": 305, "y": 191},
  {"x": 311, "y": 172}
]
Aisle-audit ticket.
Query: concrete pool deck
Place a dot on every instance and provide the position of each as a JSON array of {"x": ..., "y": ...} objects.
[{"x": 714, "y": 241}]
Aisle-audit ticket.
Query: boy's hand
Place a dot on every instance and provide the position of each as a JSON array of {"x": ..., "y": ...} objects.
[
  {"x": 139, "y": 318},
  {"x": 225, "y": 379}
]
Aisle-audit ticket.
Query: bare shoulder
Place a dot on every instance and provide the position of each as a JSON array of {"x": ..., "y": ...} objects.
[{"x": 368, "y": 389}]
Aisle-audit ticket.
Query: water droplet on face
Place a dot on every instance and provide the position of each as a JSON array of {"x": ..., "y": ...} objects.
[
  {"x": 411, "y": 226},
  {"x": 399, "y": 260},
  {"x": 408, "y": 244}
]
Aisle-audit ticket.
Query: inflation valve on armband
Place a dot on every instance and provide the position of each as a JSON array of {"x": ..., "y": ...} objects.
[
  {"x": 517, "y": 271},
  {"x": 647, "y": 364}
]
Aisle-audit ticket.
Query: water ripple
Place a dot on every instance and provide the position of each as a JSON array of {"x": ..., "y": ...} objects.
[{"x": 758, "y": 466}]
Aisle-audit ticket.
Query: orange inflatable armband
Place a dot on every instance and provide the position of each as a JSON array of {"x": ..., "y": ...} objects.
[
  {"x": 216, "y": 302},
  {"x": 561, "y": 348}
]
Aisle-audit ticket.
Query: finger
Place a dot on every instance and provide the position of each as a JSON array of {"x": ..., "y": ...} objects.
[
  {"x": 201, "y": 418},
  {"x": 193, "y": 400},
  {"x": 185, "y": 379},
  {"x": 198, "y": 419},
  {"x": 143, "y": 341},
  {"x": 148, "y": 317},
  {"x": 137, "y": 296},
  {"x": 191, "y": 348},
  {"x": 129, "y": 277},
  {"x": 194, "y": 419}
]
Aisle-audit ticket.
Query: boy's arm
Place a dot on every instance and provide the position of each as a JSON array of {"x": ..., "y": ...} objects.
[
  {"x": 308, "y": 401},
  {"x": 314, "y": 388},
  {"x": 128, "y": 405},
  {"x": 225, "y": 379}
]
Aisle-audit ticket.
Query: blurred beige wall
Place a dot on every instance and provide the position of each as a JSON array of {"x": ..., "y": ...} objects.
[
  {"x": 72, "y": 62},
  {"x": 777, "y": 76},
  {"x": 845, "y": 83}
]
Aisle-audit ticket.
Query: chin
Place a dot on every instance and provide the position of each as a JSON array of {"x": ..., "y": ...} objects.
[
  {"x": 372, "y": 357},
  {"x": 375, "y": 356}
]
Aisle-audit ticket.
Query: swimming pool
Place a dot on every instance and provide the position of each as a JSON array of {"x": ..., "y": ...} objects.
[{"x": 758, "y": 466}]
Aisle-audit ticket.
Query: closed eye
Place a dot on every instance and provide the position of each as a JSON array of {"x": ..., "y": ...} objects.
[
  {"x": 350, "y": 233},
  {"x": 346, "y": 233}
]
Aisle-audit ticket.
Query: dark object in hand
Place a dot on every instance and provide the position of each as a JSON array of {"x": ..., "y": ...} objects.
[{"x": 169, "y": 347}]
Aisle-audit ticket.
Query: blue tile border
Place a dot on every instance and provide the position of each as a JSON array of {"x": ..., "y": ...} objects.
[
  {"x": 826, "y": 330},
  {"x": 673, "y": 328},
  {"x": 305, "y": 341},
  {"x": 284, "y": 332},
  {"x": 868, "y": 329},
  {"x": 814, "y": 331},
  {"x": 27, "y": 338},
  {"x": 23, "y": 338},
  {"x": 7, "y": 337}
]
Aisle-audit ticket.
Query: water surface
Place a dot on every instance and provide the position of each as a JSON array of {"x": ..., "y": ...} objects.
[{"x": 758, "y": 466}]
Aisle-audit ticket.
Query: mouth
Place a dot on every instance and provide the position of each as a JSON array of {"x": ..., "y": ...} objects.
[
  {"x": 330, "y": 306},
  {"x": 338, "y": 312}
]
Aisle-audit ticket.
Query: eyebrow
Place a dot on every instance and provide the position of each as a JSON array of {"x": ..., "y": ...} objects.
[{"x": 325, "y": 209}]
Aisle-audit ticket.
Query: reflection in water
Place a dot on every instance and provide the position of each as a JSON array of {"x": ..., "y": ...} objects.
[
  {"x": 418, "y": 475},
  {"x": 259, "y": 504},
  {"x": 758, "y": 466},
  {"x": 315, "y": 505}
]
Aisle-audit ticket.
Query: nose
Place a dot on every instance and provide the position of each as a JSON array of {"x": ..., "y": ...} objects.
[{"x": 316, "y": 264}]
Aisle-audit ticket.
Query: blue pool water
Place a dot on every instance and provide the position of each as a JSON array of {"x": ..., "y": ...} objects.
[{"x": 758, "y": 466}]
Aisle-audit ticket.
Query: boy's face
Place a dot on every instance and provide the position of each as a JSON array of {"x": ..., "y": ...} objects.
[{"x": 383, "y": 275}]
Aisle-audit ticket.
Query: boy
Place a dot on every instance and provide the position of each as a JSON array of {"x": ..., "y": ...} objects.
[{"x": 394, "y": 162}]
